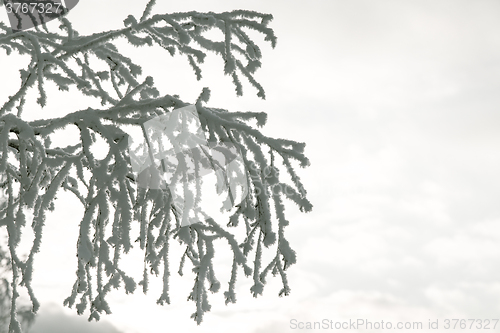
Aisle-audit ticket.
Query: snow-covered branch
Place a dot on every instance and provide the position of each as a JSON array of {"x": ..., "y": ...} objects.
[{"x": 34, "y": 170}]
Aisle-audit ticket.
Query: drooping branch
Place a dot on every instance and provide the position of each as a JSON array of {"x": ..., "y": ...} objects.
[
  {"x": 178, "y": 33},
  {"x": 108, "y": 188}
]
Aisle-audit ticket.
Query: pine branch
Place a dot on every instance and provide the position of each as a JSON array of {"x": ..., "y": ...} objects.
[{"x": 109, "y": 189}]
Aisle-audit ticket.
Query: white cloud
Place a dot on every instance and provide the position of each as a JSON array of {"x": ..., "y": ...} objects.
[
  {"x": 52, "y": 319},
  {"x": 463, "y": 248}
]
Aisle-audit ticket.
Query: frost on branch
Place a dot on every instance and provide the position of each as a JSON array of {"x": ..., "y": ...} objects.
[
  {"x": 35, "y": 170},
  {"x": 23, "y": 312}
]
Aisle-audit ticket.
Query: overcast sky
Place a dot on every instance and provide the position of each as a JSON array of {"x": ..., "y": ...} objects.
[{"x": 398, "y": 104}]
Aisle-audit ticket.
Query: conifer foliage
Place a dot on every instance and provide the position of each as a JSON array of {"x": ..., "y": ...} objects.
[
  {"x": 34, "y": 170},
  {"x": 24, "y": 313}
]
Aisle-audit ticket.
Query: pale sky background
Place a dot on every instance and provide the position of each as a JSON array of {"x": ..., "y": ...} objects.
[{"x": 398, "y": 104}]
